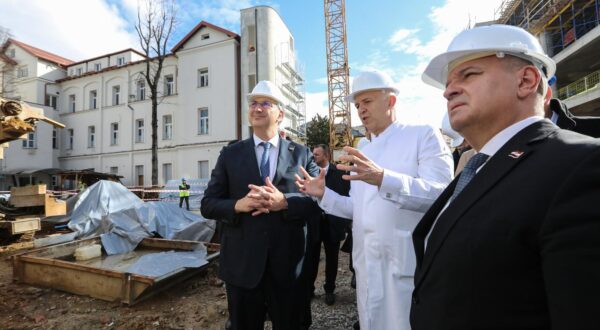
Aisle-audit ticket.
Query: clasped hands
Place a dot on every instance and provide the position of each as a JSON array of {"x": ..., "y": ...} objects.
[
  {"x": 361, "y": 168},
  {"x": 261, "y": 199}
]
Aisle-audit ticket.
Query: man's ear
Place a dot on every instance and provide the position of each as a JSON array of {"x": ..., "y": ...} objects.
[
  {"x": 392, "y": 101},
  {"x": 529, "y": 80}
]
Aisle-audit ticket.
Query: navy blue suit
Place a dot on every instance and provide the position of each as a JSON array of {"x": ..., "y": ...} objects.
[{"x": 260, "y": 255}]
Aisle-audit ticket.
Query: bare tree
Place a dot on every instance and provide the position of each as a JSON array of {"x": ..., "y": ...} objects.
[
  {"x": 155, "y": 23},
  {"x": 7, "y": 67}
]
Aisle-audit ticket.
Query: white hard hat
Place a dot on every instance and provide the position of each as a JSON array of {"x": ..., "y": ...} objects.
[
  {"x": 484, "y": 41},
  {"x": 457, "y": 139},
  {"x": 268, "y": 89},
  {"x": 370, "y": 80}
]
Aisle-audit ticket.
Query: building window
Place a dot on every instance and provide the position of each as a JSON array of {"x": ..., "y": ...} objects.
[
  {"x": 169, "y": 85},
  {"x": 79, "y": 71},
  {"x": 11, "y": 53},
  {"x": 97, "y": 66},
  {"x": 205, "y": 36},
  {"x": 203, "y": 121},
  {"x": 54, "y": 182},
  {"x": 22, "y": 72},
  {"x": 203, "y": 169},
  {"x": 141, "y": 90},
  {"x": 251, "y": 38},
  {"x": 93, "y": 99},
  {"x": 167, "y": 169},
  {"x": 139, "y": 131},
  {"x": 51, "y": 101},
  {"x": 114, "y": 170},
  {"x": 70, "y": 135},
  {"x": 139, "y": 174},
  {"x": 167, "y": 127},
  {"x": 71, "y": 72},
  {"x": 251, "y": 82},
  {"x": 116, "y": 92},
  {"x": 72, "y": 102},
  {"x": 29, "y": 142},
  {"x": 91, "y": 136},
  {"x": 203, "y": 77},
  {"x": 120, "y": 60},
  {"x": 114, "y": 134},
  {"x": 54, "y": 138}
]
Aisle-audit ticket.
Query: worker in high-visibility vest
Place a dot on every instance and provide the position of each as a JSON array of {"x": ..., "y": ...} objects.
[{"x": 184, "y": 194}]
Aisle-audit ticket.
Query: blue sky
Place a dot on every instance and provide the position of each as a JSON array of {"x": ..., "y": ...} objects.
[{"x": 396, "y": 36}]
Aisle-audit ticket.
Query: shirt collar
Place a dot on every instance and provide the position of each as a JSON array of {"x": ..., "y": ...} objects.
[
  {"x": 385, "y": 132},
  {"x": 274, "y": 140},
  {"x": 500, "y": 139}
]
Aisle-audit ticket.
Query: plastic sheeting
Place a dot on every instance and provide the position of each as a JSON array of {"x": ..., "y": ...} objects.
[
  {"x": 163, "y": 263},
  {"x": 122, "y": 219}
]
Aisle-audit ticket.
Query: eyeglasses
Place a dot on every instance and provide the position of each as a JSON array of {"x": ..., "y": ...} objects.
[{"x": 264, "y": 105}]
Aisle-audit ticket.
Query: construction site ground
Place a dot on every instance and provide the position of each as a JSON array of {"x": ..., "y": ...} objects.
[{"x": 198, "y": 303}]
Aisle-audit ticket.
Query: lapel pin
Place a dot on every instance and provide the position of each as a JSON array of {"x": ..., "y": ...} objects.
[{"x": 516, "y": 154}]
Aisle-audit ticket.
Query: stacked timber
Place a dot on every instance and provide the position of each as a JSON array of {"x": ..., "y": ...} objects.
[{"x": 36, "y": 197}]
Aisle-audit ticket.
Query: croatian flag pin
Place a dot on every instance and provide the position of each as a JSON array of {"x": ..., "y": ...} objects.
[{"x": 516, "y": 154}]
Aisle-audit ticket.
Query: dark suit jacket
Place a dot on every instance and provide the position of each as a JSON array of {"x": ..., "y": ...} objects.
[
  {"x": 580, "y": 124},
  {"x": 246, "y": 241},
  {"x": 519, "y": 248},
  {"x": 336, "y": 226}
]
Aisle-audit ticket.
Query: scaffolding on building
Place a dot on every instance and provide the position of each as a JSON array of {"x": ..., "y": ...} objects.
[
  {"x": 338, "y": 76},
  {"x": 563, "y": 21},
  {"x": 288, "y": 77}
]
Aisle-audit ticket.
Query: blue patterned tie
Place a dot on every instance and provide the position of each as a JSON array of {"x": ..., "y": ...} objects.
[
  {"x": 264, "y": 161},
  {"x": 468, "y": 173}
]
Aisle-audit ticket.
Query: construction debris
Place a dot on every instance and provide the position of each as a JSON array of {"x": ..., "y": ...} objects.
[
  {"x": 36, "y": 196},
  {"x": 122, "y": 219},
  {"x": 129, "y": 278},
  {"x": 19, "y": 118}
]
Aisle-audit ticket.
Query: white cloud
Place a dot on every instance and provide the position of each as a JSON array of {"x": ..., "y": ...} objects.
[
  {"x": 418, "y": 102},
  {"x": 69, "y": 28},
  {"x": 316, "y": 103},
  {"x": 224, "y": 13}
]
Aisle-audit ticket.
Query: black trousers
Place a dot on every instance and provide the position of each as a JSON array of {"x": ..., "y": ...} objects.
[
  {"x": 332, "y": 250},
  {"x": 248, "y": 307},
  {"x": 187, "y": 202}
]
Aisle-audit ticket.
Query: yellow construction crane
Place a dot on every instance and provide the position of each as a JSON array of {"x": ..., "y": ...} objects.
[{"x": 338, "y": 77}]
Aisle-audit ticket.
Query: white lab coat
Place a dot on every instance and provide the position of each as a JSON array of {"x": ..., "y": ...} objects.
[{"x": 417, "y": 167}]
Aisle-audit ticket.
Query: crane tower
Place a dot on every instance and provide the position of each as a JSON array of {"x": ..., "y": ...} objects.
[{"x": 338, "y": 76}]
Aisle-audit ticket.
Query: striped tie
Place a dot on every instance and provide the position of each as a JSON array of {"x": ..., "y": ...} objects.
[
  {"x": 264, "y": 161},
  {"x": 468, "y": 173}
]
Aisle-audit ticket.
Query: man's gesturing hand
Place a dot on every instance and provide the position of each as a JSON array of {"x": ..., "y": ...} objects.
[
  {"x": 364, "y": 168},
  {"x": 311, "y": 186}
]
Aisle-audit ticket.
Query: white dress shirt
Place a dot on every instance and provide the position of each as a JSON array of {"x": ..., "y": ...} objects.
[{"x": 273, "y": 153}]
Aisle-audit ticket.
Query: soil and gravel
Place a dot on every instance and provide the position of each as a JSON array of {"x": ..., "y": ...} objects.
[{"x": 198, "y": 303}]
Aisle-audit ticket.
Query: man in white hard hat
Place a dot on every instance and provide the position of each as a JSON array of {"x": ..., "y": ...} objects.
[
  {"x": 252, "y": 192},
  {"x": 395, "y": 178},
  {"x": 512, "y": 243},
  {"x": 457, "y": 142}
]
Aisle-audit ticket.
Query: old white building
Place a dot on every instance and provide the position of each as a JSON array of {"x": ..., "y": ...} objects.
[{"x": 104, "y": 103}]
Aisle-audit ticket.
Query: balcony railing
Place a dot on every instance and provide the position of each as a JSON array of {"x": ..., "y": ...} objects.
[{"x": 580, "y": 86}]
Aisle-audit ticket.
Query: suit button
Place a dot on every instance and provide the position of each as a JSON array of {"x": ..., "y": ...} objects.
[{"x": 415, "y": 300}]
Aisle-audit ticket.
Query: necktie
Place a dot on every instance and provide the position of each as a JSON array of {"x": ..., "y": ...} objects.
[
  {"x": 264, "y": 161},
  {"x": 468, "y": 173}
]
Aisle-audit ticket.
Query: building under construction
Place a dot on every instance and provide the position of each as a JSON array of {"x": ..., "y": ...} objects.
[{"x": 570, "y": 32}]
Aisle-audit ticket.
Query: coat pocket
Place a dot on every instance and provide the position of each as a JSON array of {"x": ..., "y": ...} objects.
[{"x": 405, "y": 253}]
